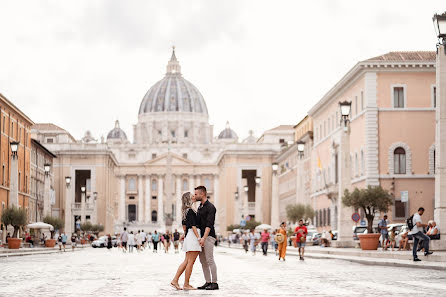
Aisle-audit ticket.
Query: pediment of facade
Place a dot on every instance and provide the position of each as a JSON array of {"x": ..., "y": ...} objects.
[{"x": 176, "y": 161}]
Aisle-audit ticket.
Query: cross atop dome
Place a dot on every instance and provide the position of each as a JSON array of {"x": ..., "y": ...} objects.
[{"x": 173, "y": 67}]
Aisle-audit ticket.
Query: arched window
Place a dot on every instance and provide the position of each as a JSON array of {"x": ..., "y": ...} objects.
[
  {"x": 132, "y": 184},
  {"x": 399, "y": 159},
  {"x": 154, "y": 216},
  {"x": 154, "y": 185},
  {"x": 185, "y": 185}
]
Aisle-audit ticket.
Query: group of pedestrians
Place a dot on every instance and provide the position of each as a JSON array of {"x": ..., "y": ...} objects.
[{"x": 142, "y": 240}]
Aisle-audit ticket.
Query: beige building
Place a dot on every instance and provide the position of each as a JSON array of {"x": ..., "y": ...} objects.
[{"x": 139, "y": 183}]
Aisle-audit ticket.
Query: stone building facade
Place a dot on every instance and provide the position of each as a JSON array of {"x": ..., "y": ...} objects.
[{"x": 138, "y": 184}]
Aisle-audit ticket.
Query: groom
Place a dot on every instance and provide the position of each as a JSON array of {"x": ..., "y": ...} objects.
[{"x": 206, "y": 220}]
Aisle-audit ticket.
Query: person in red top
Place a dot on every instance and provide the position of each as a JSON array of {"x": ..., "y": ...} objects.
[
  {"x": 265, "y": 240},
  {"x": 301, "y": 237}
]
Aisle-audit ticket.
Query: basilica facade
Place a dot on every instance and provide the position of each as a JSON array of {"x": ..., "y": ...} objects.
[{"x": 118, "y": 182}]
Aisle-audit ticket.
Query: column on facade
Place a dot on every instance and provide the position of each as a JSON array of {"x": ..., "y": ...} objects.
[
  {"x": 122, "y": 199},
  {"x": 180, "y": 135},
  {"x": 275, "y": 202},
  {"x": 259, "y": 202},
  {"x": 83, "y": 207},
  {"x": 147, "y": 212},
  {"x": 140, "y": 198},
  {"x": 160, "y": 199},
  {"x": 440, "y": 143},
  {"x": 150, "y": 132},
  {"x": 178, "y": 202}
]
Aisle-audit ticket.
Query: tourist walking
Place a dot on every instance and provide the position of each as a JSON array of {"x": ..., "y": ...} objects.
[
  {"x": 166, "y": 241},
  {"x": 109, "y": 242},
  {"x": 64, "y": 240},
  {"x": 382, "y": 226},
  {"x": 281, "y": 238},
  {"x": 416, "y": 226},
  {"x": 138, "y": 239},
  {"x": 131, "y": 241},
  {"x": 206, "y": 221},
  {"x": 274, "y": 244},
  {"x": 265, "y": 241},
  {"x": 253, "y": 241},
  {"x": 73, "y": 241},
  {"x": 59, "y": 241},
  {"x": 176, "y": 240},
  {"x": 245, "y": 242},
  {"x": 124, "y": 239},
  {"x": 149, "y": 240},
  {"x": 144, "y": 239},
  {"x": 155, "y": 239},
  {"x": 191, "y": 242},
  {"x": 301, "y": 238}
]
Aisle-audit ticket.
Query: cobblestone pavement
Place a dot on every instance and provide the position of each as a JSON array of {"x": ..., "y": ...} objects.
[{"x": 99, "y": 272}]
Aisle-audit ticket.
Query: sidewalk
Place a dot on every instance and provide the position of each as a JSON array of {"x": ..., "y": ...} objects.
[
  {"x": 5, "y": 252},
  {"x": 436, "y": 261}
]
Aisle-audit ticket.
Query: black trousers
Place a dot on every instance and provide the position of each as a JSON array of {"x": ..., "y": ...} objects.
[{"x": 155, "y": 245}]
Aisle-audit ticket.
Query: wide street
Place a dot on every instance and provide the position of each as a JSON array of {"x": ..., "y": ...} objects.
[{"x": 99, "y": 272}]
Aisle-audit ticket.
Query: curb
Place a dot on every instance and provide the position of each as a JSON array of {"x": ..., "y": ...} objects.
[
  {"x": 20, "y": 254},
  {"x": 353, "y": 259}
]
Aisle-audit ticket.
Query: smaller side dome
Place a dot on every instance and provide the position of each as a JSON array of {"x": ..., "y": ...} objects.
[
  {"x": 251, "y": 138},
  {"x": 227, "y": 133},
  {"x": 117, "y": 133}
]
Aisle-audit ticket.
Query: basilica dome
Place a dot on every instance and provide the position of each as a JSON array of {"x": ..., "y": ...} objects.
[
  {"x": 173, "y": 93},
  {"x": 117, "y": 133},
  {"x": 227, "y": 133}
]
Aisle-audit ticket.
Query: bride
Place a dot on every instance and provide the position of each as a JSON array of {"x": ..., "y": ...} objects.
[{"x": 191, "y": 243}]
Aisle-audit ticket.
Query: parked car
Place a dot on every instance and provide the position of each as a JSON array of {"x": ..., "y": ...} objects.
[
  {"x": 358, "y": 230},
  {"x": 316, "y": 239},
  {"x": 102, "y": 242}
]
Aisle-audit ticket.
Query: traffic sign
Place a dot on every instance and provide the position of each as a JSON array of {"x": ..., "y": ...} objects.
[
  {"x": 363, "y": 223},
  {"x": 248, "y": 218},
  {"x": 242, "y": 223},
  {"x": 356, "y": 217}
]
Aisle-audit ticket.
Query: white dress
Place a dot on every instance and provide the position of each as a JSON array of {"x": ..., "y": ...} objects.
[{"x": 191, "y": 243}]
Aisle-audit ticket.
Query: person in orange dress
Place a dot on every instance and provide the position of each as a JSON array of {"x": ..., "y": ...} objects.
[{"x": 283, "y": 244}]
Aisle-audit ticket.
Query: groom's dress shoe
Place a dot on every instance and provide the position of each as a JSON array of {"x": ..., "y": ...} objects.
[
  {"x": 212, "y": 286},
  {"x": 203, "y": 287}
]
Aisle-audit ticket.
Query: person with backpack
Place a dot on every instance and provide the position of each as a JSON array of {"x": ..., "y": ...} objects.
[
  {"x": 382, "y": 225},
  {"x": 416, "y": 226}
]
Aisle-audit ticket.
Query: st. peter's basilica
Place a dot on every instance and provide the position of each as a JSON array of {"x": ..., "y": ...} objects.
[{"x": 138, "y": 183}]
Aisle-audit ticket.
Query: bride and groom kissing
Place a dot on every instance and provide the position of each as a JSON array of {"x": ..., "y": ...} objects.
[{"x": 199, "y": 239}]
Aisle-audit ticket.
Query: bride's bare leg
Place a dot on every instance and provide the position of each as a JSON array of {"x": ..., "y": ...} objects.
[
  {"x": 192, "y": 256},
  {"x": 180, "y": 271}
]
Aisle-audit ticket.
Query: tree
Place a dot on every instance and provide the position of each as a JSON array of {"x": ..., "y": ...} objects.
[
  {"x": 56, "y": 222},
  {"x": 87, "y": 226},
  {"x": 232, "y": 227},
  {"x": 251, "y": 224},
  {"x": 96, "y": 228},
  {"x": 296, "y": 212},
  {"x": 16, "y": 217},
  {"x": 371, "y": 200}
]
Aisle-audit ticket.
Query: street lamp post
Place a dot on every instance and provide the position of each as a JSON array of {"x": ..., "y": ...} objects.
[
  {"x": 440, "y": 135},
  {"x": 94, "y": 218},
  {"x": 68, "y": 216},
  {"x": 300, "y": 173},
  {"x": 343, "y": 219},
  {"x": 14, "y": 179},
  {"x": 275, "y": 197},
  {"x": 83, "y": 198},
  {"x": 46, "y": 195}
]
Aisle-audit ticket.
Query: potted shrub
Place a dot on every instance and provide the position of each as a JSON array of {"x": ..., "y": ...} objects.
[
  {"x": 371, "y": 200},
  {"x": 85, "y": 227},
  {"x": 57, "y": 224},
  {"x": 16, "y": 217},
  {"x": 96, "y": 229}
]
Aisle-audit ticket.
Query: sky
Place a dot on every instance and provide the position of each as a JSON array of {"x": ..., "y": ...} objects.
[{"x": 259, "y": 64}]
